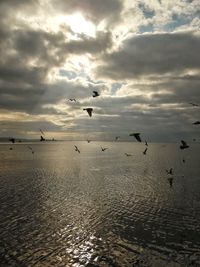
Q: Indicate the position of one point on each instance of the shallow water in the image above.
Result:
(61, 208)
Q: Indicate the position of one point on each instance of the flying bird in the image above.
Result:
(137, 136)
(72, 99)
(32, 151)
(95, 94)
(12, 140)
(196, 122)
(145, 151)
(184, 145)
(193, 104)
(170, 171)
(76, 149)
(42, 138)
(128, 155)
(103, 148)
(89, 111)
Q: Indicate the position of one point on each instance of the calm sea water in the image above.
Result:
(61, 208)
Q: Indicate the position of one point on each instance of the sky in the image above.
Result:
(143, 57)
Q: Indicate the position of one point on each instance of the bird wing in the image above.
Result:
(89, 111)
(137, 137)
(95, 93)
(183, 143)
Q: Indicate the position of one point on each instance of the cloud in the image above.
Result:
(143, 79)
(93, 10)
(151, 54)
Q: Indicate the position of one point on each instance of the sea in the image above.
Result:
(99, 208)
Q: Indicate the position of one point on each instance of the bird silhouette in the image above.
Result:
(89, 111)
(137, 136)
(12, 140)
(193, 104)
(145, 151)
(95, 94)
(117, 138)
(196, 122)
(170, 171)
(103, 148)
(72, 99)
(76, 149)
(128, 155)
(184, 145)
(42, 138)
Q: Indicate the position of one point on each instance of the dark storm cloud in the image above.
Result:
(94, 10)
(150, 54)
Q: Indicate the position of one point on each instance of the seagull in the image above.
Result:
(137, 136)
(89, 111)
(31, 149)
(72, 99)
(193, 104)
(146, 144)
(184, 145)
(42, 138)
(12, 140)
(170, 171)
(128, 155)
(95, 94)
(76, 149)
(196, 123)
(42, 132)
(117, 137)
(103, 148)
(145, 151)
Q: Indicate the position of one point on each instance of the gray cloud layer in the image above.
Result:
(151, 54)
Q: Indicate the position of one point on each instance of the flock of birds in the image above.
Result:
(137, 136)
